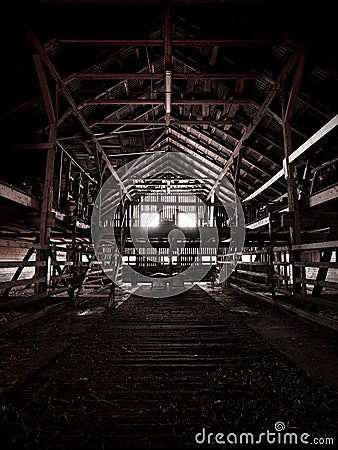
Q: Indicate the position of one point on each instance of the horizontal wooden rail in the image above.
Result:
(281, 263)
(286, 292)
(315, 245)
(252, 283)
(252, 263)
(62, 263)
(22, 244)
(317, 264)
(9, 264)
(328, 284)
(254, 252)
(253, 274)
(61, 249)
(25, 282)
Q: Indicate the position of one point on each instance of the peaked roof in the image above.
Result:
(200, 78)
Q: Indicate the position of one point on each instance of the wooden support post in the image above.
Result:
(47, 193)
(60, 179)
(287, 112)
(295, 237)
(271, 257)
(167, 33)
(111, 299)
(238, 167)
(46, 207)
(74, 247)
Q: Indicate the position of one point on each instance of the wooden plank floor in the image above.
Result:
(153, 373)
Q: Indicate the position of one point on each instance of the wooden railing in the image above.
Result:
(306, 274)
(253, 269)
(19, 280)
(282, 270)
(17, 272)
(319, 273)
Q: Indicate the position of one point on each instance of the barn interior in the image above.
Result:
(168, 223)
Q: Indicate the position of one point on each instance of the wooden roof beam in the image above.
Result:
(163, 123)
(153, 1)
(44, 89)
(228, 150)
(68, 97)
(250, 147)
(293, 59)
(184, 101)
(28, 103)
(184, 140)
(160, 42)
(182, 148)
(213, 150)
(160, 76)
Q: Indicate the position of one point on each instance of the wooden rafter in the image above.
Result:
(184, 101)
(160, 42)
(262, 110)
(77, 113)
(183, 139)
(228, 150)
(179, 76)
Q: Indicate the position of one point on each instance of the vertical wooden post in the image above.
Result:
(271, 257)
(167, 34)
(46, 206)
(60, 179)
(238, 167)
(47, 193)
(287, 111)
(111, 298)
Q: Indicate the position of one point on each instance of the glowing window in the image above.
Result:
(150, 219)
(246, 258)
(186, 220)
(132, 260)
(125, 260)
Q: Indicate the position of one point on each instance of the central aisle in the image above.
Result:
(155, 372)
